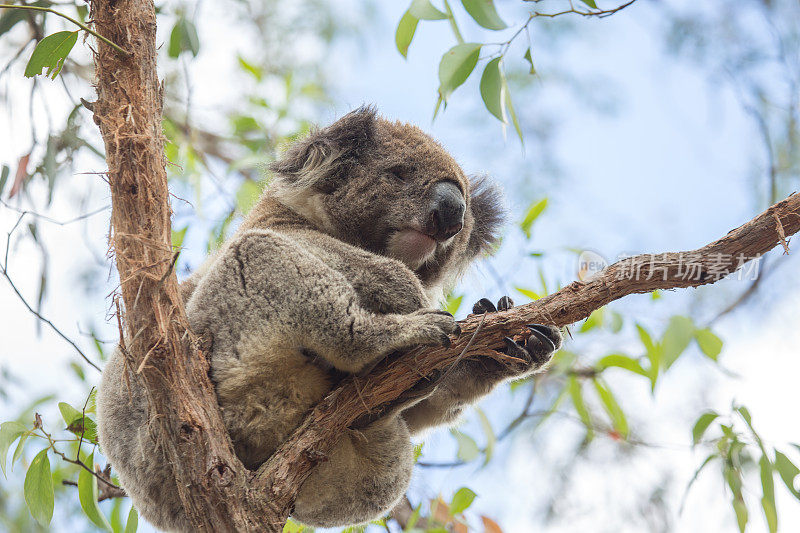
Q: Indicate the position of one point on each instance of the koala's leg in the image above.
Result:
(267, 284)
(470, 380)
(123, 426)
(364, 477)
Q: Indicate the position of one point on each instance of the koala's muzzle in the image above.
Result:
(445, 217)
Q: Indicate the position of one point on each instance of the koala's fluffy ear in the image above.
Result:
(488, 211)
(326, 153)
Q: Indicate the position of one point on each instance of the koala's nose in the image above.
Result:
(446, 216)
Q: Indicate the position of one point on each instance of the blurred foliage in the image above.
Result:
(215, 157)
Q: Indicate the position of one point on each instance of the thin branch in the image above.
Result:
(46, 321)
(82, 26)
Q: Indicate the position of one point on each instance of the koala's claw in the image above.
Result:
(537, 349)
(505, 303)
(484, 305)
(541, 331)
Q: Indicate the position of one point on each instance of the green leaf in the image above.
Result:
(488, 431)
(740, 508)
(590, 3)
(87, 494)
(529, 58)
(576, 394)
(456, 66)
(293, 527)
(77, 423)
(653, 355)
(133, 521)
(593, 321)
(788, 472)
(462, 499)
(513, 115)
(453, 303)
(20, 447)
(4, 177)
(616, 322)
(424, 10)
(615, 412)
(183, 38)
(418, 451)
(768, 492)
(492, 87)
(527, 292)
(484, 13)
(621, 361)
(709, 344)
(405, 32)
(177, 237)
(467, 447)
(50, 53)
(536, 209)
(9, 432)
(676, 339)
(254, 70)
(38, 489)
(701, 425)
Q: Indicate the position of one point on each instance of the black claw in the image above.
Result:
(484, 305)
(446, 342)
(536, 329)
(515, 350)
(505, 303)
(458, 330)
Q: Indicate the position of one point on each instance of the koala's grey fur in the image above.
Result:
(316, 283)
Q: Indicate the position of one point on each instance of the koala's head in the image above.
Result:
(391, 189)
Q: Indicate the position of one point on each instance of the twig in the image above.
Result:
(82, 26)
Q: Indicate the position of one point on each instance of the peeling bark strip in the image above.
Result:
(218, 493)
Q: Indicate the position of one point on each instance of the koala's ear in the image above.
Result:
(488, 211)
(327, 152)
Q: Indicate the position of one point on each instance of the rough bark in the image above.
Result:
(218, 493)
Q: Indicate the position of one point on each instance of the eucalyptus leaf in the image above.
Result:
(492, 87)
(462, 499)
(701, 425)
(87, 495)
(424, 10)
(456, 66)
(406, 29)
(38, 489)
(9, 432)
(533, 212)
(50, 54)
(484, 13)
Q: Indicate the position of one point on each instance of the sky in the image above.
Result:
(665, 164)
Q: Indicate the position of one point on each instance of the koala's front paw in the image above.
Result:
(536, 350)
(431, 327)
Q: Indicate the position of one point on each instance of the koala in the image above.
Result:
(342, 262)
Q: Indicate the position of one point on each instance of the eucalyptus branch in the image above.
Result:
(80, 24)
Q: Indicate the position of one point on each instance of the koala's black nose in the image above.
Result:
(446, 215)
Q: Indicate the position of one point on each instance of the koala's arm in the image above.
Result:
(265, 287)
(470, 380)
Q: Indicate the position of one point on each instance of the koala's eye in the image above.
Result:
(398, 172)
